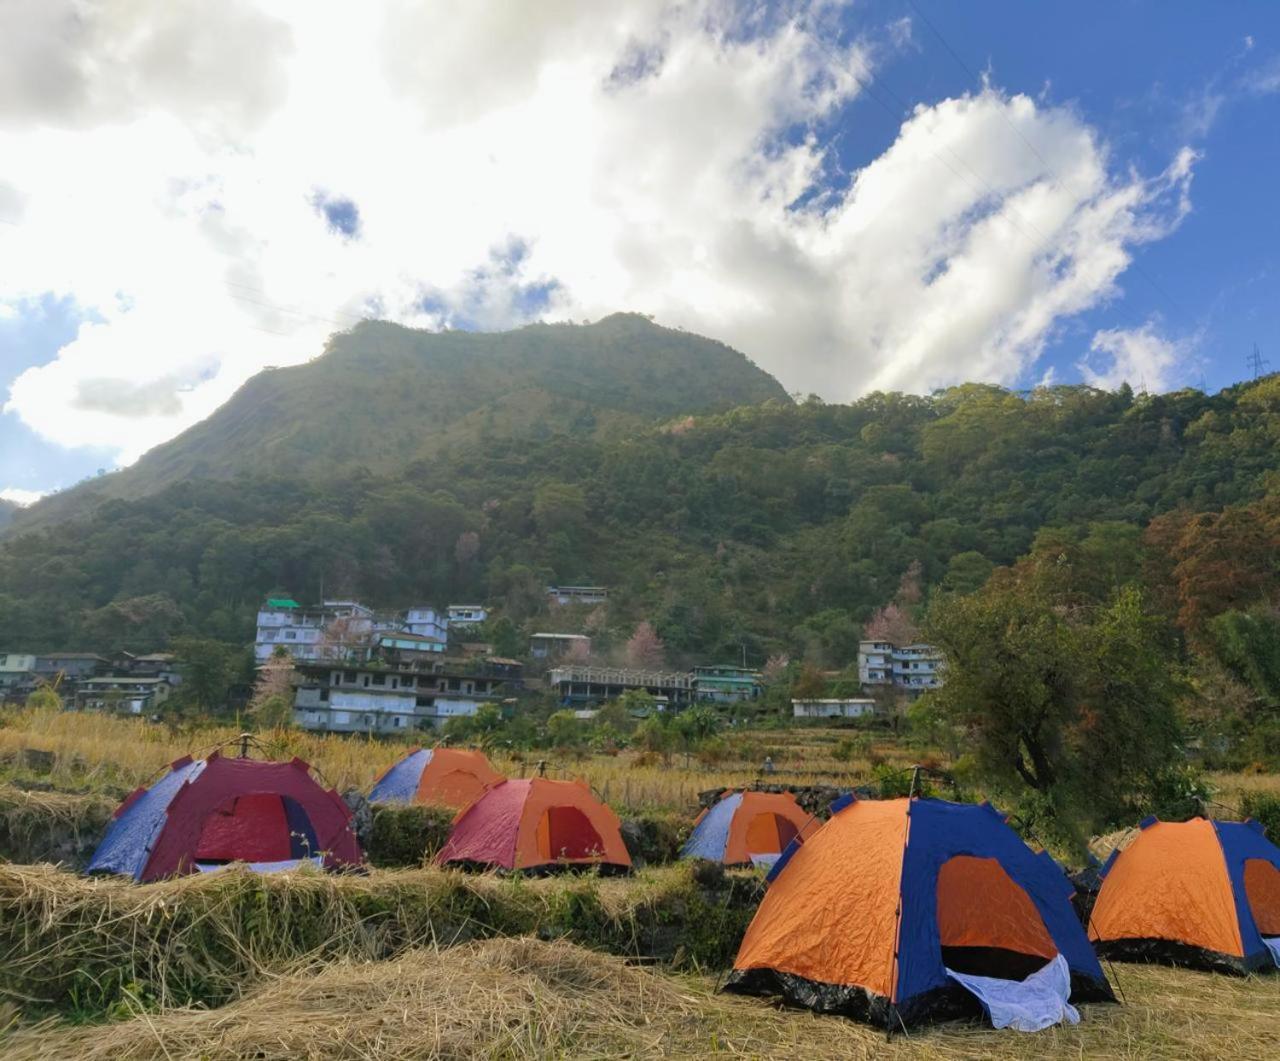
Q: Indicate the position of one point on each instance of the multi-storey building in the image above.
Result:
(726, 684)
(376, 698)
(913, 668)
(343, 630)
(335, 630)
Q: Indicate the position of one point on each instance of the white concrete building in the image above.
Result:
(467, 614)
(360, 698)
(335, 630)
(833, 708)
(913, 668)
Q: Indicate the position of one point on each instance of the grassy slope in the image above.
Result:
(382, 396)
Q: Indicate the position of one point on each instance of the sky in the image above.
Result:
(860, 195)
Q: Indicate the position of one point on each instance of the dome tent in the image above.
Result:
(450, 777)
(744, 827)
(207, 812)
(536, 824)
(1200, 893)
(899, 911)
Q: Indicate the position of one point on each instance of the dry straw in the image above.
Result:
(523, 998)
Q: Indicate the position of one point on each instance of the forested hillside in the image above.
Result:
(777, 527)
(382, 396)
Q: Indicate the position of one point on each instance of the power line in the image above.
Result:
(1257, 363)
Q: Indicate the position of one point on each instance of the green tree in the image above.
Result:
(43, 698)
(563, 729)
(274, 712)
(1072, 704)
(208, 670)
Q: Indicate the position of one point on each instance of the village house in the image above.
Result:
(557, 646)
(426, 622)
(913, 668)
(467, 614)
(575, 685)
(564, 595)
(406, 647)
(17, 675)
(125, 693)
(833, 707)
(71, 665)
(151, 665)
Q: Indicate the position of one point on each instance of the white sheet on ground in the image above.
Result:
(1025, 1005)
(1273, 945)
(264, 867)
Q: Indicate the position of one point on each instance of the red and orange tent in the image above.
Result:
(744, 827)
(536, 823)
(1199, 893)
(450, 777)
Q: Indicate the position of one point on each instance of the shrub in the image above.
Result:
(1264, 808)
(407, 834)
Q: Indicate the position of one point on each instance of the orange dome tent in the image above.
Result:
(1199, 893)
(893, 909)
(744, 827)
(536, 823)
(450, 777)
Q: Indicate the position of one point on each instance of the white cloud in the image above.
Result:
(19, 496)
(563, 159)
(1137, 356)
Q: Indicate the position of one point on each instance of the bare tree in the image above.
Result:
(275, 678)
(645, 648)
(891, 624)
(775, 667)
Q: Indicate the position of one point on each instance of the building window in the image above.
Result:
(324, 695)
(379, 679)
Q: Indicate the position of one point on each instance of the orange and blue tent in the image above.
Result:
(748, 827)
(205, 813)
(1200, 893)
(893, 909)
(536, 824)
(451, 777)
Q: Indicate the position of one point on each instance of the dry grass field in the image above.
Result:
(429, 963)
(103, 752)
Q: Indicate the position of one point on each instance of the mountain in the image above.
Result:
(8, 509)
(382, 396)
(775, 527)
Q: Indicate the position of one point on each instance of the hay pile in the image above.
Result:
(523, 998)
(71, 943)
(511, 998)
(50, 826)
